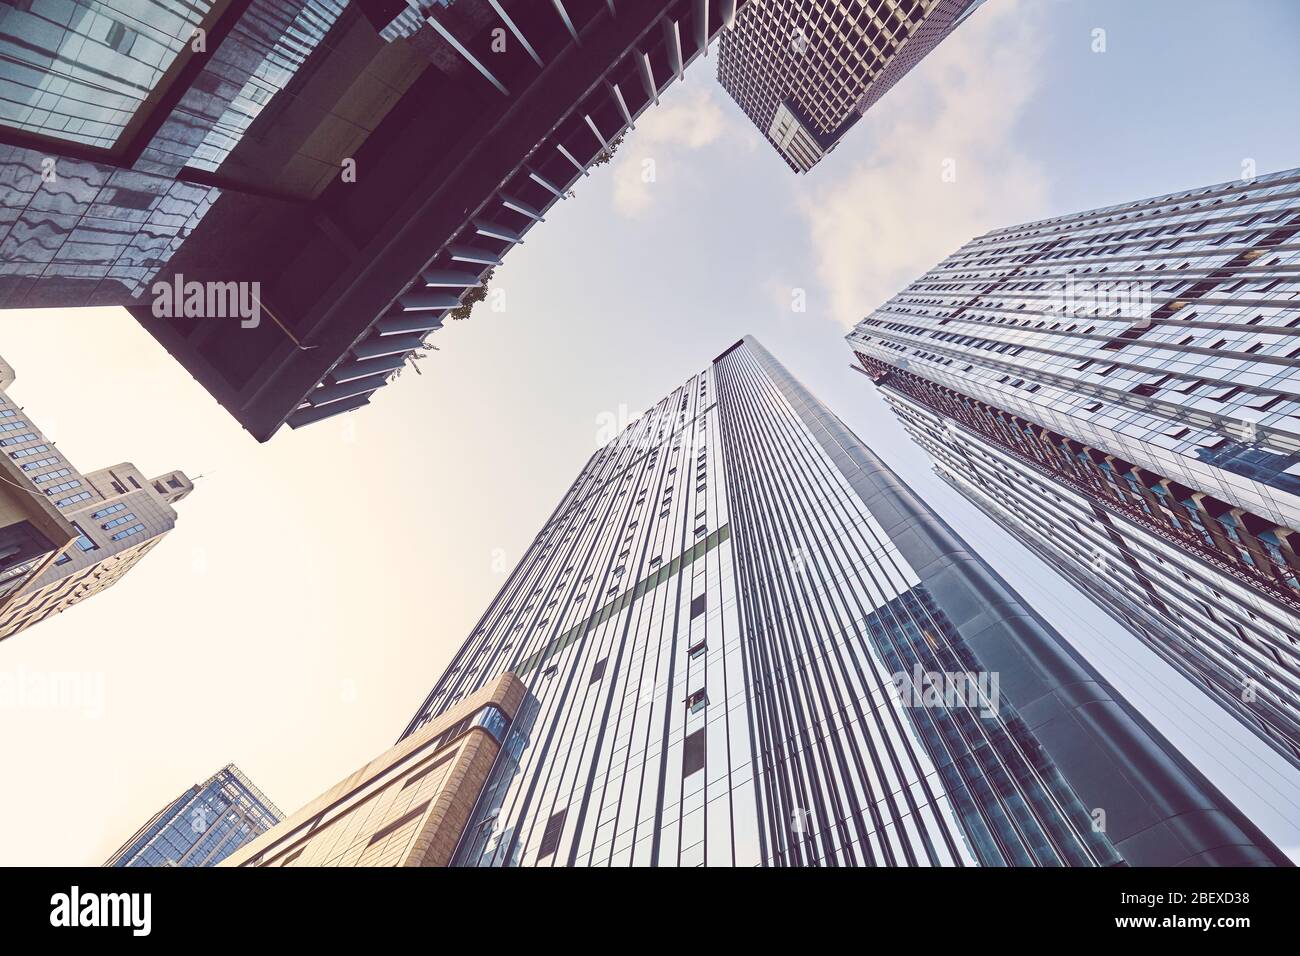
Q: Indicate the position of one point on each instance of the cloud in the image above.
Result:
(692, 120)
(877, 225)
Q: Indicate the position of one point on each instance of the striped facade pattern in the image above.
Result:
(717, 630)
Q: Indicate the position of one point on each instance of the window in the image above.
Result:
(83, 541)
(693, 753)
(80, 496)
(51, 475)
(697, 606)
(128, 532)
(697, 701)
(551, 836)
(110, 510)
(120, 38)
(598, 671)
(116, 522)
(696, 649)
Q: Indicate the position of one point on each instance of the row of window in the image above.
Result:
(25, 452)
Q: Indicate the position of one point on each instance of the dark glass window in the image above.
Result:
(693, 753)
(551, 838)
(697, 606)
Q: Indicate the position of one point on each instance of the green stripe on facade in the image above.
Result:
(646, 584)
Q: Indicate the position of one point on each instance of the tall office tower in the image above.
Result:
(291, 195)
(1120, 389)
(805, 73)
(203, 826)
(746, 642)
(76, 532)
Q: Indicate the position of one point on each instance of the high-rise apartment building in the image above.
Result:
(76, 532)
(291, 195)
(202, 826)
(746, 642)
(1120, 389)
(804, 72)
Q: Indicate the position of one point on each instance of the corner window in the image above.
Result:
(84, 542)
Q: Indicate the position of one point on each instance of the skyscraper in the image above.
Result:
(81, 531)
(1120, 389)
(805, 73)
(746, 642)
(202, 826)
(291, 195)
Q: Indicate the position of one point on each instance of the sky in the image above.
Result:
(316, 586)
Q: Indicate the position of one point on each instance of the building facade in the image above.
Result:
(1120, 389)
(407, 807)
(85, 530)
(804, 73)
(746, 642)
(202, 826)
(292, 195)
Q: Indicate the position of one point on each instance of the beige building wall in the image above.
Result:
(99, 523)
(407, 807)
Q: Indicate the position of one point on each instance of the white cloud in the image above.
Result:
(877, 225)
(692, 120)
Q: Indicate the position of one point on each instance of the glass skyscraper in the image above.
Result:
(1120, 389)
(202, 826)
(746, 642)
